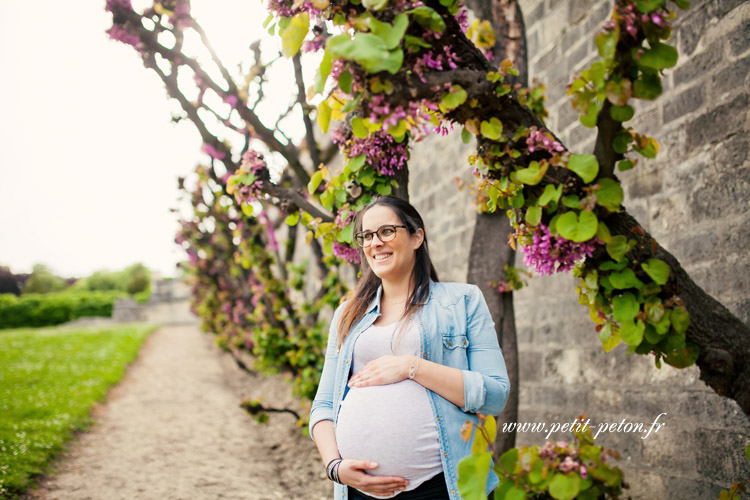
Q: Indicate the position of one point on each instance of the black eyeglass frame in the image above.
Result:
(364, 235)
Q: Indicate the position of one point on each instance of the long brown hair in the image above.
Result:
(367, 288)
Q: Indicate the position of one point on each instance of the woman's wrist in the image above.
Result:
(332, 470)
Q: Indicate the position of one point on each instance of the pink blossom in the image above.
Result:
(211, 151)
(548, 254)
(346, 252)
(120, 34)
(231, 100)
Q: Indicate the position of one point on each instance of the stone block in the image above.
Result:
(709, 409)
(695, 247)
(596, 19)
(571, 37)
(647, 485)
(529, 366)
(577, 56)
(733, 153)
(727, 461)
(721, 195)
(690, 29)
(562, 366)
(684, 103)
(578, 10)
(670, 449)
(739, 39)
(733, 77)
(720, 8)
(534, 14)
(717, 124)
(700, 65)
(566, 116)
(646, 183)
(681, 487)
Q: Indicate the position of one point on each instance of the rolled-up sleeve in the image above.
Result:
(322, 405)
(486, 383)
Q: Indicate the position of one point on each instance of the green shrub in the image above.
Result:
(34, 310)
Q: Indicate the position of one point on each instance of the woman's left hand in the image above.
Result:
(384, 370)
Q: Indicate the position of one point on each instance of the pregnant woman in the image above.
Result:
(408, 361)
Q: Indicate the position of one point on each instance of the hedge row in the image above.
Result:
(33, 310)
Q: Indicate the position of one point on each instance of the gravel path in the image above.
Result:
(173, 430)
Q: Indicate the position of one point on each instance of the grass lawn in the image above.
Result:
(49, 381)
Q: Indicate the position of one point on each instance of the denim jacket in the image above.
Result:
(455, 329)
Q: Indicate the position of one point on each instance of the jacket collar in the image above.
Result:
(375, 304)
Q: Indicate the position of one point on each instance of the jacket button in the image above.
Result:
(453, 492)
(424, 356)
(438, 419)
(450, 343)
(445, 454)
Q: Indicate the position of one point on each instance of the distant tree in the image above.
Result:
(42, 280)
(8, 282)
(138, 278)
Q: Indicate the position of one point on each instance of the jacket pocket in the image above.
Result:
(455, 341)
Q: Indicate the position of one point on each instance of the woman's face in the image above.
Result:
(391, 260)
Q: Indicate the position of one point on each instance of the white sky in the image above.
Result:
(89, 158)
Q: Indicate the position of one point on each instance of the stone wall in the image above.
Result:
(694, 199)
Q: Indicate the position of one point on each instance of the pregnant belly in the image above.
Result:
(392, 425)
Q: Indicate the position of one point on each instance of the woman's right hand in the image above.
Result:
(353, 473)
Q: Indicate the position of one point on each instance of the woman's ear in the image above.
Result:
(418, 238)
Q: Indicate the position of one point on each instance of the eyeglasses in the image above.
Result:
(385, 233)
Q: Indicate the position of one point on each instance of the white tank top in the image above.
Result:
(393, 424)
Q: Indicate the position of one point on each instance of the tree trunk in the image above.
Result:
(489, 247)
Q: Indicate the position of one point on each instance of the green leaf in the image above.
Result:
(659, 56)
(551, 193)
(647, 6)
(427, 18)
(390, 34)
(369, 50)
(315, 181)
(609, 339)
(621, 142)
(621, 113)
(452, 99)
(247, 209)
(472, 476)
(383, 189)
(585, 166)
(466, 136)
(374, 4)
(352, 104)
(606, 42)
(324, 116)
(632, 333)
(530, 175)
(508, 460)
(654, 311)
(414, 43)
(399, 130)
(357, 162)
(680, 319)
(358, 128)
(648, 86)
(625, 279)
(572, 201)
(658, 270)
(747, 450)
(367, 177)
(682, 358)
(618, 247)
(577, 228)
(292, 219)
(533, 215)
(345, 81)
(602, 232)
(346, 235)
(625, 307)
(609, 265)
(624, 165)
(610, 194)
(683, 4)
(565, 486)
(492, 129)
(293, 35)
(323, 71)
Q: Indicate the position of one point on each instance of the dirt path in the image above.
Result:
(172, 430)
